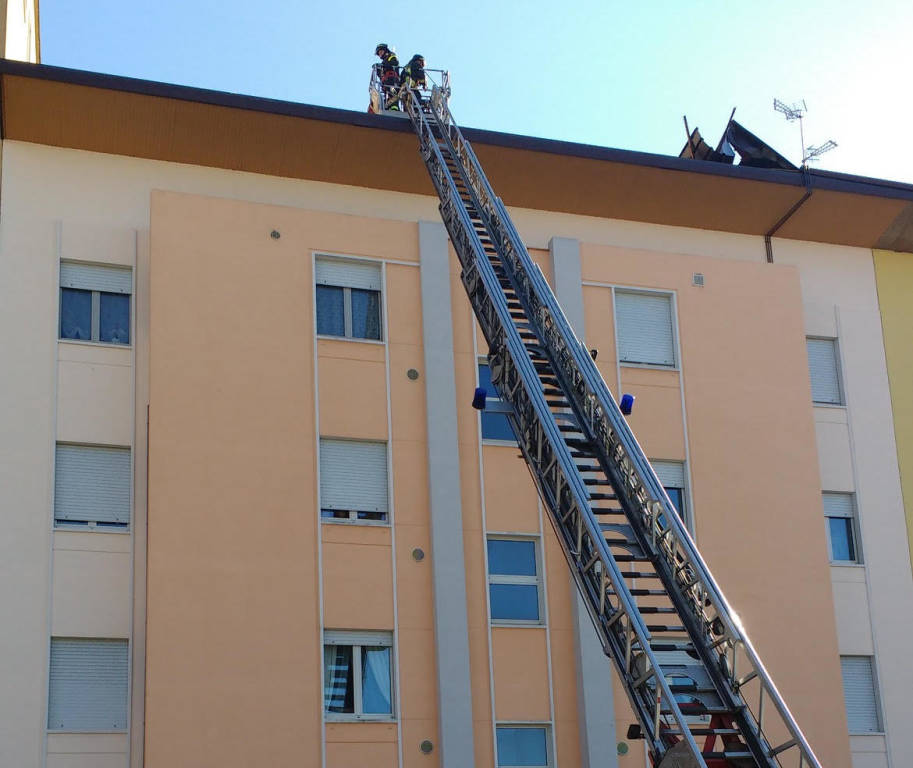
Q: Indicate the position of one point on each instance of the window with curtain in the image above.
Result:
(671, 475)
(513, 580)
(95, 303)
(358, 675)
(348, 298)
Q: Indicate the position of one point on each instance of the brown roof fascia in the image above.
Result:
(527, 171)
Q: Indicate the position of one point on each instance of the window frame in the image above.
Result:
(549, 747)
(684, 514)
(95, 320)
(838, 372)
(673, 319)
(356, 641)
(500, 578)
(853, 517)
(351, 517)
(494, 404)
(876, 695)
(348, 318)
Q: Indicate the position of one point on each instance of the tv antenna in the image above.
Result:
(797, 112)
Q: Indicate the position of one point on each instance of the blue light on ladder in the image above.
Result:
(626, 404)
(478, 399)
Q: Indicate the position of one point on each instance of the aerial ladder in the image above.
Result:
(701, 694)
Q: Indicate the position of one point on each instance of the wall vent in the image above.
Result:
(698, 279)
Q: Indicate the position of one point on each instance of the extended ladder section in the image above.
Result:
(701, 694)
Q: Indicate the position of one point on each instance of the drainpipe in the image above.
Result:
(768, 246)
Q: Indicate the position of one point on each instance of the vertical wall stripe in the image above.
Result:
(595, 703)
(447, 563)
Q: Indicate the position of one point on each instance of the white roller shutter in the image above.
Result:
(822, 367)
(348, 274)
(88, 685)
(335, 637)
(859, 694)
(671, 474)
(838, 504)
(353, 476)
(91, 277)
(92, 484)
(644, 326)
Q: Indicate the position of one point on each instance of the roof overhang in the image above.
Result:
(139, 118)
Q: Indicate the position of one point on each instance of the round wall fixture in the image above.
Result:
(622, 748)
(275, 234)
(426, 746)
(412, 374)
(418, 554)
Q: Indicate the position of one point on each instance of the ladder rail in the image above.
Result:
(644, 484)
(551, 450)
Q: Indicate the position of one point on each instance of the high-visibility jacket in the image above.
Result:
(389, 68)
(414, 73)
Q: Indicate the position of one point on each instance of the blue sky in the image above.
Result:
(606, 73)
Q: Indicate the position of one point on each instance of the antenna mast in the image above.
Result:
(797, 112)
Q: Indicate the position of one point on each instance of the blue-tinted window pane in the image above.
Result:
(75, 314)
(511, 558)
(485, 381)
(842, 544)
(496, 426)
(516, 602)
(522, 746)
(375, 681)
(365, 314)
(330, 311)
(114, 318)
(338, 679)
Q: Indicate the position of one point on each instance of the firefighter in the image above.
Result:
(413, 76)
(388, 72)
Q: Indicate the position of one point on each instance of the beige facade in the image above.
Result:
(224, 589)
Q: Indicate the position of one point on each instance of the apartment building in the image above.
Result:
(252, 517)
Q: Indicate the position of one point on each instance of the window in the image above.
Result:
(495, 424)
(859, 694)
(95, 303)
(672, 476)
(513, 580)
(92, 486)
(840, 516)
(88, 685)
(824, 370)
(523, 745)
(644, 326)
(353, 481)
(358, 675)
(348, 298)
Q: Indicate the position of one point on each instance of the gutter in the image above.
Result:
(768, 245)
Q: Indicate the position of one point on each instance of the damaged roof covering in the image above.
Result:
(139, 118)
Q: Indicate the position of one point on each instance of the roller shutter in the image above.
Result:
(644, 325)
(92, 484)
(822, 367)
(88, 685)
(92, 277)
(859, 694)
(353, 476)
(348, 274)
